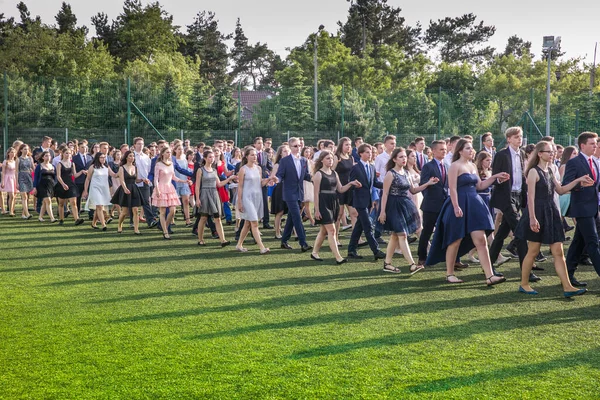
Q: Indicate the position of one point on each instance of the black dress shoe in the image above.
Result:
(412, 239)
(305, 248)
(355, 256)
(379, 255)
(586, 261)
(380, 240)
(534, 278)
(512, 250)
(285, 245)
(576, 283)
(363, 244)
(342, 261)
(540, 257)
(267, 226)
(536, 268)
(315, 257)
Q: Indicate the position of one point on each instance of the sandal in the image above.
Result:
(414, 268)
(266, 250)
(393, 270)
(490, 282)
(453, 281)
(241, 249)
(201, 243)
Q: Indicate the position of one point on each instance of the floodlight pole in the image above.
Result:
(548, 94)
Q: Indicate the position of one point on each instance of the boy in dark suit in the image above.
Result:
(362, 201)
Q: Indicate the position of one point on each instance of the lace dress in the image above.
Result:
(401, 213)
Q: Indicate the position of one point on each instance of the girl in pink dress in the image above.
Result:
(165, 194)
(8, 179)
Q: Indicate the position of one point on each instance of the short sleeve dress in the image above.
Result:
(252, 198)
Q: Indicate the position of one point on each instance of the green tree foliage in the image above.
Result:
(517, 47)
(372, 23)
(205, 41)
(460, 39)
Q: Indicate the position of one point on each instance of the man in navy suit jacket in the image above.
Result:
(362, 201)
(82, 162)
(434, 196)
(584, 205)
(292, 173)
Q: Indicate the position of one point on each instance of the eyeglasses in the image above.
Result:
(296, 145)
(547, 151)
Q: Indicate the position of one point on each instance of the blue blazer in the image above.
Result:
(362, 197)
(79, 165)
(434, 195)
(293, 186)
(584, 200)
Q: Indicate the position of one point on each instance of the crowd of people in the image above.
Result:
(456, 202)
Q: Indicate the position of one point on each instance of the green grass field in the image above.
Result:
(86, 314)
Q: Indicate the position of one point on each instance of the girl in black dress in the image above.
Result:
(327, 206)
(343, 163)
(44, 185)
(65, 188)
(128, 195)
(541, 222)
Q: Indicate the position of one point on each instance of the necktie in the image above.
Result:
(368, 173)
(260, 158)
(443, 172)
(592, 168)
(83, 160)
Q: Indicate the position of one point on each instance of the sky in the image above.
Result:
(285, 23)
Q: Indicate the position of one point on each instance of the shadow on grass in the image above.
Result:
(344, 294)
(461, 330)
(589, 357)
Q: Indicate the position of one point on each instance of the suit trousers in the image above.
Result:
(363, 224)
(265, 195)
(294, 220)
(429, 220)
(510, 219)
(584, 239)
(148, 214)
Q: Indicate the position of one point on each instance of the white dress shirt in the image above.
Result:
(517, 170)
(142, 162)
(380, 163)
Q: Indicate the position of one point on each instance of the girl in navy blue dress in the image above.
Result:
(464, 220)
(399, 215)
(541, 222)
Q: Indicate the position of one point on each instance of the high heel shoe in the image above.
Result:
(342, 261)
(490, 282)
(521, 290)
(315, 257)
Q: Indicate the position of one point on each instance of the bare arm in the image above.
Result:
(59, 168)
(387, 183)
(198, 182)
(240, 191)
(585, 181)
(87, 181)
(317, 189)
(414, 190)
(532, 178)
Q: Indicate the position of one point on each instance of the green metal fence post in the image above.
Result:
(439, 131)
(5, 112)
(342, 111)
(128, 111)
(239, 112)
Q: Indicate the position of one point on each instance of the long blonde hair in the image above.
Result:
(534, 157)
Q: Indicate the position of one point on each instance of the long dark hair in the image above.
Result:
(416, 166)
(481, 157)
(278, 156)
(204, 155)
(124, 158)
(567, 153)
(340, 146)
(247, 151)
(96, 163)
(391, 163)
(319, 163)
(534, 157)
(458, 148)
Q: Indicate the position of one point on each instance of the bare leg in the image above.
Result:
(220, 232)
(24, 204)
(185, 201)
(201, 229)
(136, 219)
(451, 252)
(403, 243)
(99, 214)
(480, 242)
(74, 210)
(122, 216)
(278, 217)
(533, 249)
(391, 248)
(11, 203)
(319, 241)
(48, 202)
(163, 221)
(42, 210)
(560, 266)
(256, 233)
(243, 234)
(331, 234)
(61, 209)
(171, 216)
(306, 206)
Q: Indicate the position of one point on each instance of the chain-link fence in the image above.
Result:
(119, 110)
